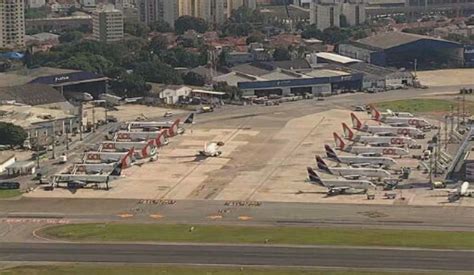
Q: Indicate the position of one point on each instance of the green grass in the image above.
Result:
(258, 235)
(4, 194)
(418, 105)
(187, 270)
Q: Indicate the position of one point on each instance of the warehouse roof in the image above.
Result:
(31, 94)
(337, 58)
(389, 40)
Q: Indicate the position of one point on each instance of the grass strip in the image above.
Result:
(259, 235)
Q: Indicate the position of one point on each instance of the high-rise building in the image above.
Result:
(213, 11)
(328, 13)
(12, 24)
(151, 11)
(107, 24)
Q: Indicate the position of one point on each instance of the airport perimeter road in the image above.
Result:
(241, 255)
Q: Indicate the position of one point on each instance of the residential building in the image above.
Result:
(107, 24)
(325, 14)
(328, 13)
(12, 24)
(235, 4)
(213, 11)
(150, 11)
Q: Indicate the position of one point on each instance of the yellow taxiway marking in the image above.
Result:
(125, 215)
(245, 218)
(156, 216)
(215, 217)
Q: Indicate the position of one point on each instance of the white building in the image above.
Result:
(6, 160)
(172, 94)
(107, 24)
(88, 3)
(12, 24)
(34, 4)
(328, 13)
(150, 11)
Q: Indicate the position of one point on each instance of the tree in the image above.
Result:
(158, 72)
(187, 22)
(130, 85)
(312, 31)
(71, 36)
(161, 26)
(255, 37)
(136, 29)
(281, 54)
(231, 92)
(192, 78)
(335, 35)
(11, 134)
(159, 43)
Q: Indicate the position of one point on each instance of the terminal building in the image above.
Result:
(289, 78)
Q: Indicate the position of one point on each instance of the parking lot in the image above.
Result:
(264, 159)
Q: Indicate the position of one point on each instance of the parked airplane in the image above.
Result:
(339, 186)
(95, 168)
(409, 121)
(172, 127)
(145, 149)
(358, 160)
(406, 131)
(462, 191)
(350, 172)
(392, 113)
(125, 158)
(211, 149)
(369, 139)
(159, 136)
(341, 145)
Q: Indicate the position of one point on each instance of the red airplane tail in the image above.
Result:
(356, 124)
(348, 133)
(340, 144)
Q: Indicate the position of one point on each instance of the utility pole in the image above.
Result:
(463, 109)
(81, 110)
(67, 140)
(445, 132)
(452, 123)
(431, 168)
(93, 119)
(105, 111)
(457, 112)
(54, 141)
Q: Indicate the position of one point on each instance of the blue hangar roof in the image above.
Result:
(69, 78)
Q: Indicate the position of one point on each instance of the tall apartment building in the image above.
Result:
(12, 24)
(150, 11)
(327, 13)
(107, 24)
(213, 11)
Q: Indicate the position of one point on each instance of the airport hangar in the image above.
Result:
(400, 50)
(289, 78)
(75, 82)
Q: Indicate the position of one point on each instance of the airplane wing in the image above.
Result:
(352, 177)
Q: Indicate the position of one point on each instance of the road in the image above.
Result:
(241, 255)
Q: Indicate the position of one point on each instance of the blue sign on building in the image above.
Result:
(469, 55)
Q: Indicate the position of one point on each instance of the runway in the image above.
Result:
(241, 255)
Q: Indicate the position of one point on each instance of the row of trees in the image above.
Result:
(130, 63)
